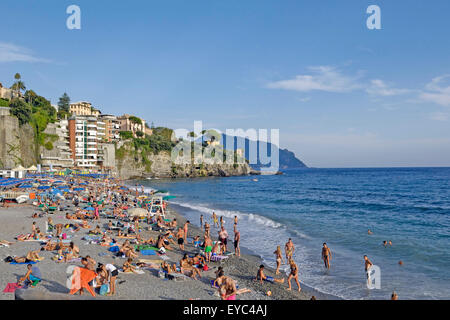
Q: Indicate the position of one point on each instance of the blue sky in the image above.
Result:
(341, 95)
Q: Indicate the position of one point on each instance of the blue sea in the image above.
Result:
(409, 206)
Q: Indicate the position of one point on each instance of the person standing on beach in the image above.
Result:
(201, 220)
(207, 229)
(326, 255)
(223, 238)
(185, 228)
(235, 220)
(279, 259)
(222, 222)
(215, 220)
(237, 239)
(293, 274)
(180, 236)
(367, 265)
(208, 248)
(289, 248)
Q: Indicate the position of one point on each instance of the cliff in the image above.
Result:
(131, 163)
(17, 143)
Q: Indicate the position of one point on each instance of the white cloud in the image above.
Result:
(322, 78)
(437, 92)
(380, 88)
(439, 116)
(12, 53)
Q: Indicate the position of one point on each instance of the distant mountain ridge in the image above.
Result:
(287, 159)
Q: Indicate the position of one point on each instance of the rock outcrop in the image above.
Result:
(131, 165)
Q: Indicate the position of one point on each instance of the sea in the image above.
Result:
(408, 206)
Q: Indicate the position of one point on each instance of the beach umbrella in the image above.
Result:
(161, 191)
(78, 189)
(43, 187)
(137, 212)
(89, 208)
(168, 197)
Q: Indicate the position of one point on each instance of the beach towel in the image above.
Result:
(148, 252)
(150, 260)
(164, 257)
(12, 287)
(177, 276)
(130, 272)
(31, 262)
(90, 238)
(218, 258)
(145, 247)
(84, 276)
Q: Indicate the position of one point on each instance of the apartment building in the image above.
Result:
(85, 133)
(112, 127)
(83, 108)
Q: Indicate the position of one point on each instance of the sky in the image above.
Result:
(341, 95)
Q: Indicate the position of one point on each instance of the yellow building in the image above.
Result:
(83, 108)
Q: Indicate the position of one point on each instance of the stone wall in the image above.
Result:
(17, 144)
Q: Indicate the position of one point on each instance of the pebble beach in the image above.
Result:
(17, 219)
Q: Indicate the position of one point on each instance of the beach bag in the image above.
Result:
(104, 289)
(114, 249)
(205, 267)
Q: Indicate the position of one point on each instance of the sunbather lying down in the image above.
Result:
(31, 256)
(5, 243)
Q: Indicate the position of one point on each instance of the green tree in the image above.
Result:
(19, 84)
(139, 134)
(135, 120)
(30, 96)
(64, 103)
(125, 135)
(20, 110)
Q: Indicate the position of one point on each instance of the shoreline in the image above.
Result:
(250, 255)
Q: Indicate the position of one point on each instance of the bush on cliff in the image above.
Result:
(21, 111)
